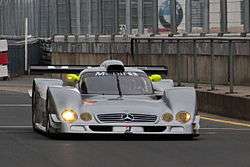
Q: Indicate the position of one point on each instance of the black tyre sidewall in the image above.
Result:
(33, 106)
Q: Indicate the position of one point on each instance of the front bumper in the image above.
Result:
(127, 128)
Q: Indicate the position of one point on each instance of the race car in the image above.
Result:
(113, 99)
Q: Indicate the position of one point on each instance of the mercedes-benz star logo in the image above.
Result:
(127, 117)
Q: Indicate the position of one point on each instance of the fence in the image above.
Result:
(190, 59)
(50, 17)
(193, 48)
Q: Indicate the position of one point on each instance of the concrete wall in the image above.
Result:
(224, 105)
(93, 50)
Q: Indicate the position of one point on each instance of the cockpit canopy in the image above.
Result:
(116, 83)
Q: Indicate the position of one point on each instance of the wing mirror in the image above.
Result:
(72, 78)
(155, 78)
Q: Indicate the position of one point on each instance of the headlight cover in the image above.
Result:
(69, 115)
(167, 117)
(86, 116)
(183, 117)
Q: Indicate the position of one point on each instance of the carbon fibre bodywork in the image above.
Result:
(113, 114)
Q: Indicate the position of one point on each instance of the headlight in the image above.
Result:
(167, 117)
(183, 117)
(69, 116)
(86, 116)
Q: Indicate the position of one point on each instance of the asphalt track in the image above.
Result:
(219, 145)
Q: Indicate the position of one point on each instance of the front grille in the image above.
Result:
(125, 117)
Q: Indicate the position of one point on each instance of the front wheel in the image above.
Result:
(33, 121)
(48, 126)
(49, 131)
(34, 108)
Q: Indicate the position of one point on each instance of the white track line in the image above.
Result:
(15, 127)
(15, 105)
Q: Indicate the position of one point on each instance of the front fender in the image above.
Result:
(40, 85)
(181, 99)
(61, 98)
(163, 85)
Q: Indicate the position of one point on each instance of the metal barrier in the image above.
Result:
(179, 40)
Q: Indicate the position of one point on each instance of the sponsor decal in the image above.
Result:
(165, 13)
(119, 74)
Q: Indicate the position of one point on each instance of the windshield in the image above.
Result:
(128, 83)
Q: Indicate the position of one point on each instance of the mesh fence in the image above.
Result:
(50, 17)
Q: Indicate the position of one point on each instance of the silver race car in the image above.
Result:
(113, 99)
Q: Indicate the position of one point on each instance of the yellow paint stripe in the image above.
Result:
(226, 122)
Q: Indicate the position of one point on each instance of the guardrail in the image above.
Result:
(230, 41)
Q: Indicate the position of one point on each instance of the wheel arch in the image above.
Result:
(61, 98)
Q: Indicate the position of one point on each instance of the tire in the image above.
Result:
(49, 133)
(47, 118)
(33, 108)
(48, 126)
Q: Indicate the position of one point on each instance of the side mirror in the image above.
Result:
(155, 78)
(72, 78)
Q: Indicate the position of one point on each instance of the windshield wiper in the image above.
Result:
(118, 85)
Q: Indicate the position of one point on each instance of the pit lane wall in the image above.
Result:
(228, 105)
(86, 49)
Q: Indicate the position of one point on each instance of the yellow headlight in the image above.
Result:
(183, 117)
(86, 116)
(69, 116)
(168, 117)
